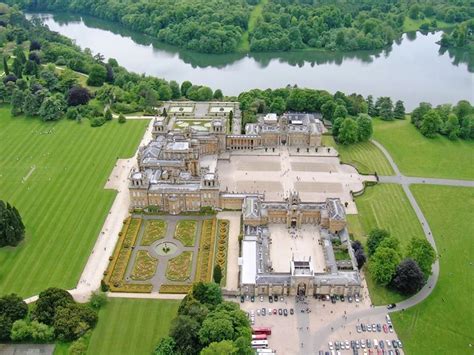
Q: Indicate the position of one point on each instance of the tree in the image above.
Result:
(207, 293)
(462, 109)
(383, 265)
(431, 124)
(336, 126)
(374, 239)
(360, 257)
(12, 229)
(18, 98)
(49, 79)
(175, 90)
(35, 46)
(399, 110)
(278, 105)
(98, 299)
(109, 76)
(165, 92)
(419, 112)
(452, 128)
(108, 115)
(22, 330)
(224, 347)
(340, 111)
(217, 274)
(385, 108)
(17, 67)
(215, 329)
(364, 127)
(408, 278)
(218, 95)
(185, 87)
(166, 346)
(348, 133)
(13, 307)
(421, 251)
(78, 95)
(370, 106)
(390, 242)
(5, 327)
(184, 330)
(327, 109)
(52, 108)
(31, 68)
(97, 75)
(121, 118)
(72, 320)
(414, 11)
(48, 302)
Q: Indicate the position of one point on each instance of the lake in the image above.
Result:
(413, 69)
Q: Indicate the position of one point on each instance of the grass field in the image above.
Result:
(132, 326)
(385, 206)
(244, 45)
(417, 155)
(56, 181)
(410, 25)
(442, 324)
(366, 157)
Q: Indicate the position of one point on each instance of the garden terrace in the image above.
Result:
(155, 229)
(179, 268)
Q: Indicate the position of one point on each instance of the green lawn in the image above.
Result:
(132, 326)
(442, 324)
(410, 25)
(366, 157)
(417, 155)
(385, 206)
(62, 200)
(244, 45)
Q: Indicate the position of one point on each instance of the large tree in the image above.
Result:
(48, 303)
(12, 229)
(13, 307)
(184, 330)
(431, 124)
(383, 265)
(52, 108)
(408, 278)
(364, 127)
(348, 133)
(72, 321)
(97, 75)
(399, 110)
(375, 238)
(166, 346)
(207, 293)
(225, 347)
(78, 95)
(423, 253)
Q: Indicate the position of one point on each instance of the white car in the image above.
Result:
(258, 312)
(376, 344)
(331, 346)
(261, 298)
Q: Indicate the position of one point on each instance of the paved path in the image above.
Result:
(401, 179)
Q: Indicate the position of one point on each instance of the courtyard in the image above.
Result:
(316, 177)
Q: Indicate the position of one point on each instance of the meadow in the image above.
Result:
(132, 326)
(417, 155)
(442, 324)
(55, 173)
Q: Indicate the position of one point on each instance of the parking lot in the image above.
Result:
(296, 333)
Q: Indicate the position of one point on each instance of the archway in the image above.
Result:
(301, 289)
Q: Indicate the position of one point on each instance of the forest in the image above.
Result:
(220, 26)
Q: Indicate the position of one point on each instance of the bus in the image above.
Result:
(262, 330)
(259, 344)
(266, 351)
(261, 336)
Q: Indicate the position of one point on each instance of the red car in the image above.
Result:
(274, 311)
(385, 328)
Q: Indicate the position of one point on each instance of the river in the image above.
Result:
(413, 69)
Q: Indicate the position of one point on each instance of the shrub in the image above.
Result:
(98, 300)
(122, 119)
(97, 121)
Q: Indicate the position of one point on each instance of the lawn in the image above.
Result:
(417, 155)
(186, 232)
(385, 206)
(244, 45)
(410, 25)
(442, 324)
(365, 156)
(132, 326)
(56, 180)
(179, 268)
(155, 229)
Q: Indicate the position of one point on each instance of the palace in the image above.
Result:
(178, 171)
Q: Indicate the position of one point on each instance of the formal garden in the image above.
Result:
(167, 254)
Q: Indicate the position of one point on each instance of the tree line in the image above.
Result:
(218, 26)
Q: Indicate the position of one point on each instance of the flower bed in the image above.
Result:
(155, 229)
(222, 246)
(206, 251)
(122, 253)
(186, 232)
(133, 288)
(144, 267)
(179, 268)
(183, 289)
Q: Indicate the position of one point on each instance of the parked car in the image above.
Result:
(285, 312)
(389, 343)
(292, 311)
(242, 299)
(389, 320)
(381, 344)
(275, 298)
(395, 344)
(282, 299)
(270, 311)
(261, 298)
(280, 311)
(356, 298)
(330, 345)
(270, 299)
(385, 328)
(369, 343)
(342, 298)
(369, 327)
(264, 311)
(274, 311)
(391, 306)
(258, 312)
(379, 327)
(364, 327)
(358, 328)
(400, 345)
(252, 298)
(349, 299)
(390, 328)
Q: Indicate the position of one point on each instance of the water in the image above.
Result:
(413, 69)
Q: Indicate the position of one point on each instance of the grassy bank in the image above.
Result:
(442, 324)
